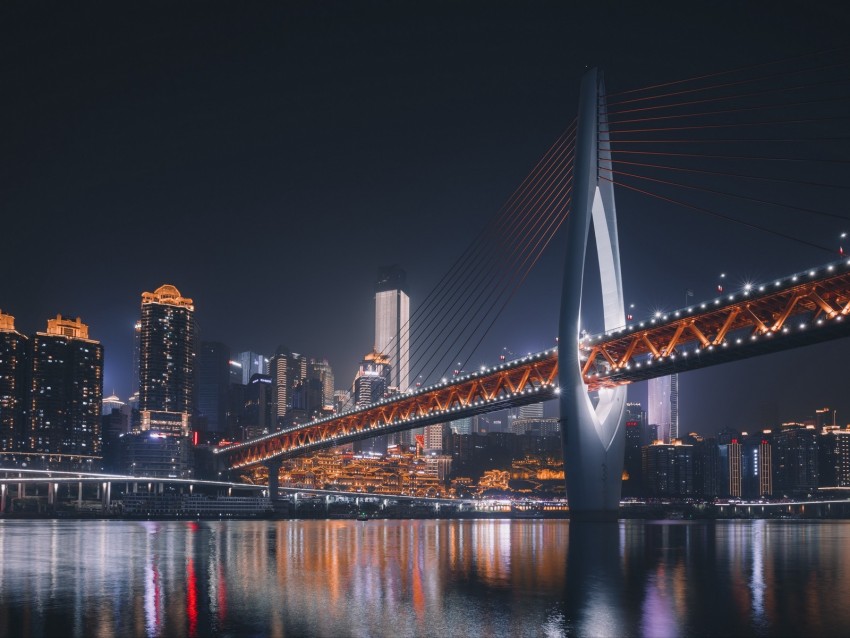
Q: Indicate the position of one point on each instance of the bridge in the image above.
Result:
(574, 185)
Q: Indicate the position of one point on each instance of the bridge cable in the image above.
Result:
(724, 98)
(719, 215)
(554, 209)
(725, 194)
(729, 71)
(561, 183)
(781, 74)
(475, 245)
(480, 271)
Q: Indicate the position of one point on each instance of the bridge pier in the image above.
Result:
(2, 499)
(80, 494)
(592, 435)
(106, 501)
(273, 466)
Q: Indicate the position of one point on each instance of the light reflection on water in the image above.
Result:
(423, 578)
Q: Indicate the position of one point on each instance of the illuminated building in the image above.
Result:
(257, 413)
(434, 437)
(392, 324)
(137, 353)
(706, 465)
(757, 466)
(373, 379)
(834, 458)
(66, 392)
(392, 333)
(632, 466)
(12, 386)
(730, 476)
(156, 455)
(168, 346)
(213, 387)
(667, 469)
(461, 426)
(370, 385)
(795, 460)
(342, 400)
(246, 365)
(663, 406)
(320, 369)
(288, 370)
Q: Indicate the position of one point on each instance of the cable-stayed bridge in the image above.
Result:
(573, 186)
(797, 310)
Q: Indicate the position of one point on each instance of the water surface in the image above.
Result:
(424, 578)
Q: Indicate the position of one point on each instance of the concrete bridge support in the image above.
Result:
(592, 427)
(273, 466)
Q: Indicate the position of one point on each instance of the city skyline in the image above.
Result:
(277, 174)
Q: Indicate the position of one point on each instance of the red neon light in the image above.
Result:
(632, 424)
(195, 437)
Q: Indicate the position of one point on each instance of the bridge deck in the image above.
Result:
(798, 310)
(528, 380)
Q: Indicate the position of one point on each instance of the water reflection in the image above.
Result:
(418, 578)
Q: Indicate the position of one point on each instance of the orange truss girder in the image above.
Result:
(823, 295)
(514, 383)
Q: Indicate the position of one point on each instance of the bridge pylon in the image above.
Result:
(592, 427)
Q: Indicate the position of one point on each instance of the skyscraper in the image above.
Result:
(288, 370)
(168, 346)
(370, 385)
(213, 386)
(12, 387)
(320, 369)
(663, 406)
(248, 364)
(66, 392)
(137, 345)
(392, 323)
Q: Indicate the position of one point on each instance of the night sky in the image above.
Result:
(267, 159)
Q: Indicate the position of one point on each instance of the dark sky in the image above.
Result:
(267, 158)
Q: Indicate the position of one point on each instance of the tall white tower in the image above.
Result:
(663, 406)
(392, 323)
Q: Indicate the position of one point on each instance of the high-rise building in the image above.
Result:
(13, 364)
(342, 401)
(246, 365)
(288, 371)
(373, 379)
(257, 413)
(730, 475)
(834, 458)
(434, 435)
(795, 460)
(66, 394)
(667, 469)
(167, 353)
(756, 465)
(633, 461)
(371, 385)
(137, 353)
(392, 323)
(213, 388)
(320, 369)
(663, 406)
